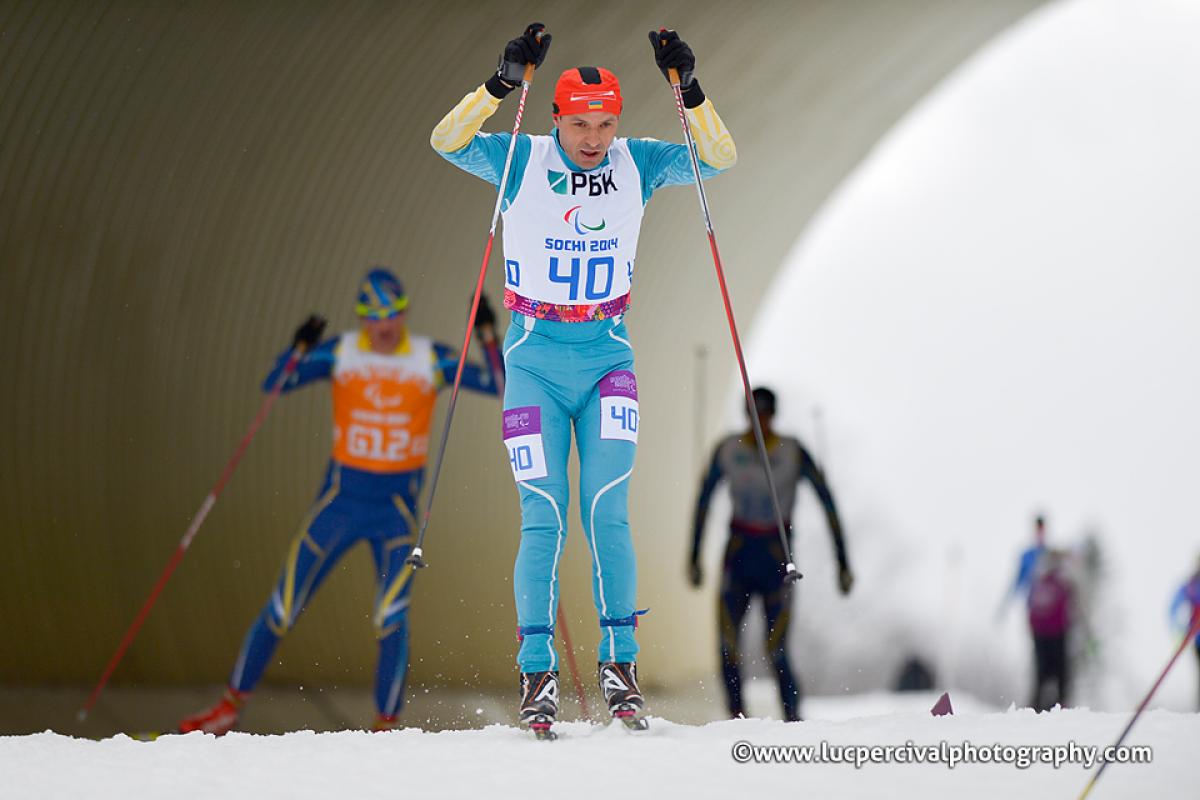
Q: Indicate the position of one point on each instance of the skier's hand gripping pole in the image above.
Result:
(663, 42)
(416, 559)
(305, 338)
(485, 330)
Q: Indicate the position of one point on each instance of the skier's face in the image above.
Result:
(385, 335)
(586, 137)
(764, 421)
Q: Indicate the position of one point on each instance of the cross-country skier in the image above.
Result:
(1053, 610)
(1052, 613)
(385, 382)
(1188, 599)
(754, 558)
(1027, 566)
(572, 210)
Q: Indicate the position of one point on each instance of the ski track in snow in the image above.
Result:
(591, 760)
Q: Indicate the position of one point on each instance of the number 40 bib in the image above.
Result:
(570, 238)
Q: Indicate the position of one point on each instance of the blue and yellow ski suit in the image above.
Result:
(383, 406)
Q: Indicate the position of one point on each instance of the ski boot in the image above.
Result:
(618, 682)
(539, 703)
(221, 718)
(385, 722)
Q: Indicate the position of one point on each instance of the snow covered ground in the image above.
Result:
(605, 760)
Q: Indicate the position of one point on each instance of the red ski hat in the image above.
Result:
(583, 89)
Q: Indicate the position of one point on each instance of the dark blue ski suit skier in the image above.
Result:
(754, 559)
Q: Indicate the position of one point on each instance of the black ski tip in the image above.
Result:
(631, 717)
(636, 723)
(541, 727)
(792, 577)
(416, 562)
(150, 736)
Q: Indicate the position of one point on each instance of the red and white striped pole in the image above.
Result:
(792, 574)
(209, 501)
(415, 559)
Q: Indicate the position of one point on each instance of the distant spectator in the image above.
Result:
(1030, 557)
(915, 676)
(1188, 597)
(1051, 611)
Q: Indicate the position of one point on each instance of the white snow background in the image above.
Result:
(997, 314)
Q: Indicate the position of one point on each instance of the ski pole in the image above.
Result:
(209, 501)
(579, 693)
(415, 559)
(1193, 630)
(491, 349)
(792, 573)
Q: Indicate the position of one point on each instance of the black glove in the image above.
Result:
(484, 316)
(529, 48)
(671, 52)
(845, 579)
(695, 573)
(308, 334)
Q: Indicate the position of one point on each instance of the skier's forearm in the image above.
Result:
(832, 521)
(315, 365)
(669, 164)
(714, 143)
(458, 128)
(478, 378)
(495, 362)
(839, 541)
(677, 62)
(475, 377)
(700, 517)
(817, 478)
(1024, 574)
(480, 154)
(272, 376)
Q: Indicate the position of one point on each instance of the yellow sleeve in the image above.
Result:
(714, 144)
(457, 128)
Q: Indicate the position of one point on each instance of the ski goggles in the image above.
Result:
(376, 310)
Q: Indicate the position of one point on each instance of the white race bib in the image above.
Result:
(619, 406)
(523, 438)
(570, 238)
